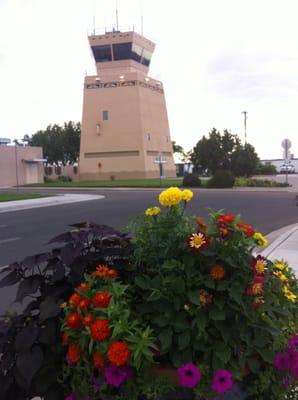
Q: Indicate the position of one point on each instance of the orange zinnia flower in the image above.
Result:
(75, 299)
(74, 353)
(100, 330)
(217, 272)
(74, 321)
(102, 271)
(102, 299)
(98, 360)
(83, 287)
(225, 219)
(247, 229)
(118, 353)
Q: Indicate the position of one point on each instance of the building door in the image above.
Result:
(31, 173)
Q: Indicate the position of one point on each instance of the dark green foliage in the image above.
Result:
(31, 342)
(266, 169)
(214, 152)
(176, 147)
(191, 180)
(222, 179)
(244, 160)
(59, 143)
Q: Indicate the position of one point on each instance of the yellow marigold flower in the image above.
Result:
(289, 295)
(170, 197)
(281, 276)
(186, 195)
(152, 211)
(281, 265)
(217, 272)
(260, 239)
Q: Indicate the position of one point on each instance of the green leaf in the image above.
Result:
(193, 297)
(253, 365)
(216, 314)
(223, 351)
(183, 340)
(165, 337)
(142, 282)
(266, 354)
(181, 324)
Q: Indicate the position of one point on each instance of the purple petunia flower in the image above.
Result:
(222, 381)
(72, 396)
(189, 375)
(281, 361)
(115, 376)
(293, 342)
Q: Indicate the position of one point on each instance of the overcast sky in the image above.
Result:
(216, 59)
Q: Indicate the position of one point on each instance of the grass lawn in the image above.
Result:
(146, 183)
(19, 196)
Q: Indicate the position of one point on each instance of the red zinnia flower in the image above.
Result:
(102, 271)
(83, 287)
(74, 353)
(88, 320)
(217, 272)
(118, 353)
(75, 299)
(65, 339)
(98, 360)
(198, 241)
(100, 330)
(247, 229)
(258, 265)
(74, 320)
(84, 303)
(102, 299)
(225, 219)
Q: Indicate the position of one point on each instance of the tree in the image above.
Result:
(177, 148)
(245, 160)
(61, 144)
(214, 152)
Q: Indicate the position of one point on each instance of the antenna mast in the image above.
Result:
(245, 118)
(117, 22)
(142, 18)
(93, 17)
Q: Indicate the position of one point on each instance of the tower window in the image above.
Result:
(105, 115)
(102, 53)
(122, 51)
(136, 52)
(146, 57)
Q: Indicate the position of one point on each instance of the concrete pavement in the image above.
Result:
(47, 201)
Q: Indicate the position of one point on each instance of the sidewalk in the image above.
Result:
(47, 201)
(283, 244)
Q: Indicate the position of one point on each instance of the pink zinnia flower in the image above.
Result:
(281, 361)
(222, 381)
(293, 342)
(115, 376)
(189, 375)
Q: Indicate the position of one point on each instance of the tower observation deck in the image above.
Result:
(125, 125)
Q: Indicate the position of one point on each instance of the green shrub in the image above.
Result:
(64, 178)
(266, 169)
(222, 179)
(249, 182)
(191, 180)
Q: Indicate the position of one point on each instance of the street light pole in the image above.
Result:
(245, 117)
(17, 171)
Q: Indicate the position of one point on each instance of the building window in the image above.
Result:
(148, 136)
(58, 170)
(102, 53)
(75, 169)
(122, 51)
(105, 115)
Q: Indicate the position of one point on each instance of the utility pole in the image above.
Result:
(245, 118)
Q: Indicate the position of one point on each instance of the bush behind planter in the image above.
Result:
(222, 179)
(191, 180)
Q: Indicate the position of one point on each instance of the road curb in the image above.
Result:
(286, 232)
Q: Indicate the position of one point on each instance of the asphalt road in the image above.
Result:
(27, 232)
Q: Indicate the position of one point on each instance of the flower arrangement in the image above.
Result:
(199, 312)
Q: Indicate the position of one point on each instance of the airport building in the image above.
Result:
(125, 129)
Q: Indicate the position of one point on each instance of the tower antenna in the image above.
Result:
(245, 118)
(117, 22)
(93, 11)
(142, 18)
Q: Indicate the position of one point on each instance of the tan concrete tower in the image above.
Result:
(125, 127)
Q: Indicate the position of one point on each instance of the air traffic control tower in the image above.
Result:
(125, 129)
